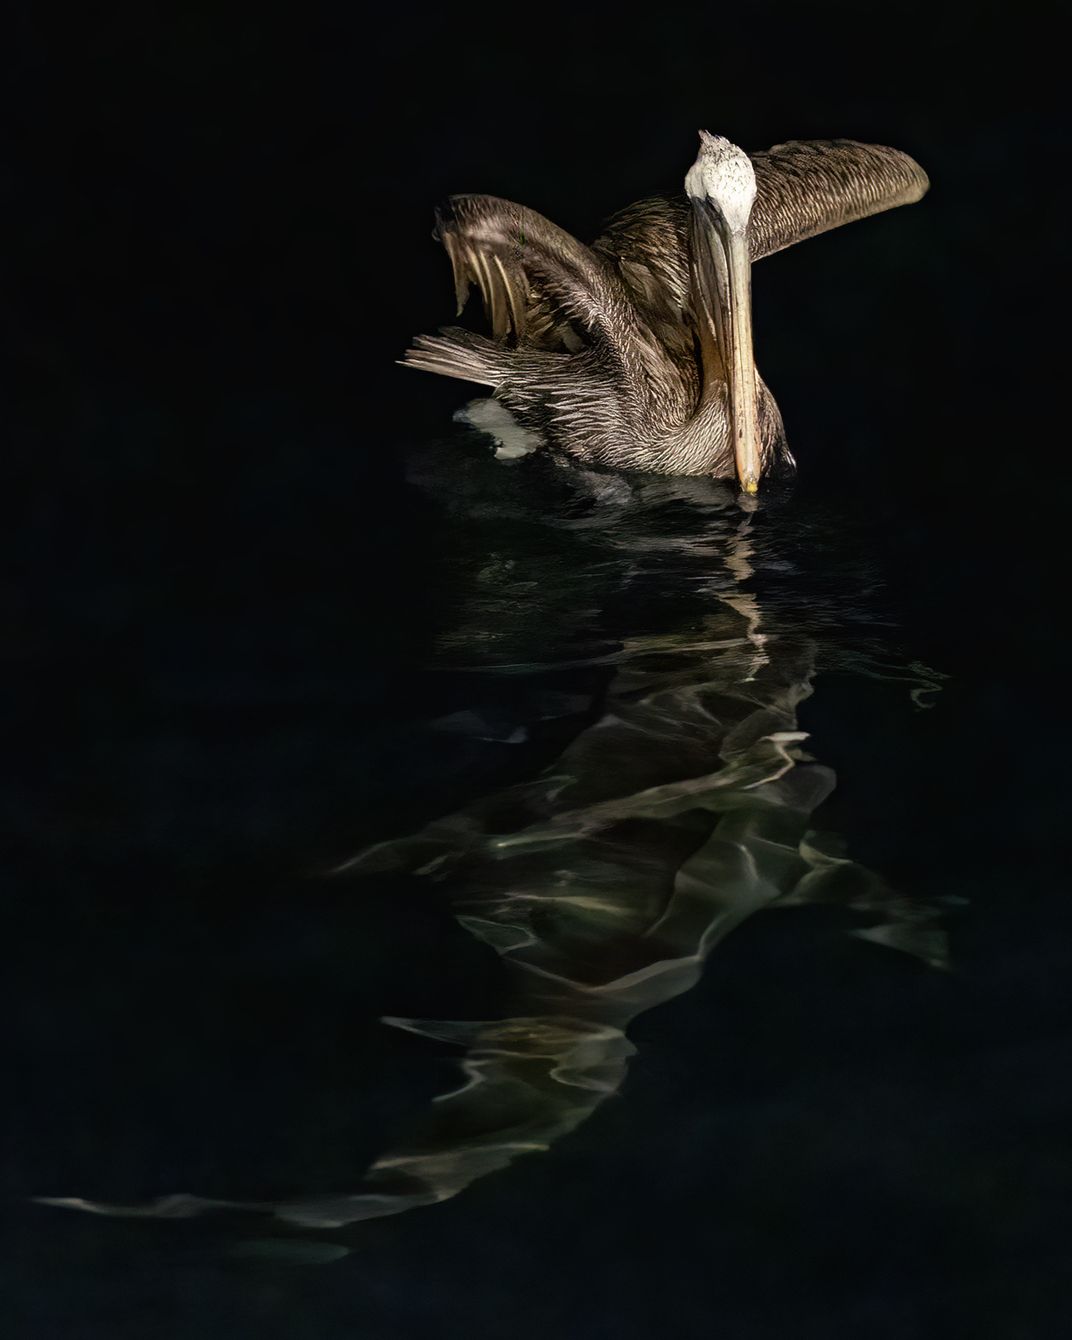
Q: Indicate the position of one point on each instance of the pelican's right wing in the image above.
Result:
(538, 283)
(807, 187)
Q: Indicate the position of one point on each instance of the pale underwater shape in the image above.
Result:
(511, 440)
(604, 883)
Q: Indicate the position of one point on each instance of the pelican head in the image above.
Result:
(721, 185)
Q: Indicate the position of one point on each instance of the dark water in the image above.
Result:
(413, 996)
(643, 648)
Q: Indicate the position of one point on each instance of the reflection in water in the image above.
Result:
(668, 618)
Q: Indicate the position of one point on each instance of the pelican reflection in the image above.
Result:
(684, 803)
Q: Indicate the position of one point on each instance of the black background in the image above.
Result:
(215, 598)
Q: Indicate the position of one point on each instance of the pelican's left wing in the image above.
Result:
(803, 188)
(807, 187)
(538, 283)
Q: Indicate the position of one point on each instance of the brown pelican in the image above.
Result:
(636, 352)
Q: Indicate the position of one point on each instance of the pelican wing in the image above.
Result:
(538, 283)
(807, 187)
(648, 243)
(802, 188)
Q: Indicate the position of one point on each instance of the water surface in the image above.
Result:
(374, 952)
(615, 692)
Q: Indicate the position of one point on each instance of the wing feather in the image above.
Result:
(803, 188)
(807, 187)
(537, 282)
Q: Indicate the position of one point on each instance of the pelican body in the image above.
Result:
(636, 353)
